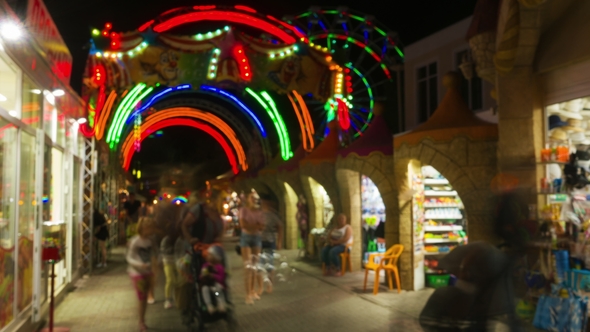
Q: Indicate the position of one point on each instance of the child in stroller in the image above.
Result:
(212, 280)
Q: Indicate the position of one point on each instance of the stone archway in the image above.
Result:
(379, 168)
(292, 229)
(468, 165)
(324, 175)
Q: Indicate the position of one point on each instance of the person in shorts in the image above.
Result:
(272, 235)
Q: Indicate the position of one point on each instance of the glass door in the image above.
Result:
(27, 214)
(8, 243)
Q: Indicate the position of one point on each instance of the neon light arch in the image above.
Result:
(229, 14)
(190, 113)
(186, 123)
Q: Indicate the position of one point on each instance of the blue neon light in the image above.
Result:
(238, 102)
(322, 25)
(156, 97)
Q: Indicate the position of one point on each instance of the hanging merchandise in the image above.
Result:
(372, 217)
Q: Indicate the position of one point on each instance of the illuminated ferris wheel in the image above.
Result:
(367, 51)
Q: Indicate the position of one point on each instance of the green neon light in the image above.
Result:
(277, 121)
(399, 52)
(369, 92)
(120, 108)
(120, 118)
(128, 111)
(329, 108)
(333, 12)
(278, 116)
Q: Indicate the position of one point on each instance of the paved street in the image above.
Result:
(106, 302)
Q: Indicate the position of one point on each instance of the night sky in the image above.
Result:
(413, 20)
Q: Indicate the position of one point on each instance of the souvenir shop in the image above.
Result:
(373, 218)
(439, 222)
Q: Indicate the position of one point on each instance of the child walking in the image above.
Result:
(213, 280)
(139, 258)
(170, 271)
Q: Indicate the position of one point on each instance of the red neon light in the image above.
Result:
(186, 123)
(108, 26)
(100, 75)
(100, 103)
(145, 26)
(204, 7)
(245, 8)
(243, 63)
(290, 27)
(343, 117)
(105, 33)
(218, 15)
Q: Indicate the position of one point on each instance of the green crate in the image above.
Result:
(437, 280)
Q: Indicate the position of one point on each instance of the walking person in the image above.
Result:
(101, 233)
(250, 219)
(131, 207)
(139, 259)
(167, 246)
(339, 237)
(272, 238)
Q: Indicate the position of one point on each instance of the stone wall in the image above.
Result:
(324, 174)
(469, 166)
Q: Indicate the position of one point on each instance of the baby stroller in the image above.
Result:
(196, 315)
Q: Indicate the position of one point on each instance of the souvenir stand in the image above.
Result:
(443, 169)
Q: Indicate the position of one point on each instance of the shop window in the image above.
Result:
(9, 83)
(46, 211)
(32, 102)
(49, 116)
(27, 213)
(427, 90)
(8, 141)
(373, 218)
(76, 215)
(61, 129)
(471, 90)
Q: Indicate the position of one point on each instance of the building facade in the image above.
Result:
(426, 63)
(41, 164)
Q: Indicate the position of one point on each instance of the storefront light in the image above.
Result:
(81, 120)
(50, 97)
(58, 92)
(13, 113)
(36, 91)
(155, 201)
(11, 31)
(3, 98)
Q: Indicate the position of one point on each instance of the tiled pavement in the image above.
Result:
(304, 302)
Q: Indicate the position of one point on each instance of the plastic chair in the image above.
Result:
(344, 259)
(388, 263)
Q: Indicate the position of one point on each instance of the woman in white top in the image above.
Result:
(339, 237)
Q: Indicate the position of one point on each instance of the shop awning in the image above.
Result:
(327, 150)
(377, 138)
(452, 118)
(293, 163)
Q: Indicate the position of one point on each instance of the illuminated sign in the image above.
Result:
(43, 29)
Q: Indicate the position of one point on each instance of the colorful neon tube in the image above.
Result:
(228, 16)
(238, 103)
(155, 98)
(371, 98)
(146, 131)
(306, 135)
(277, 120)
(122, 104)
(128, 111)
(106, 112)
(197, 114)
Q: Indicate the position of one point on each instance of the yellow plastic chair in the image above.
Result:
(345, 259)
(388, 263)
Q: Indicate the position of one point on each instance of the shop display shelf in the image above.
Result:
(440, 193)
(436, 181)
(444, 218)
(426, 253)
(443, 228)
(434, 241)
(551, 162)
(433, 206)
